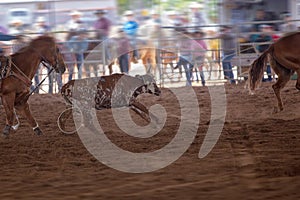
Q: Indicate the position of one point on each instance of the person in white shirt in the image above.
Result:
(195, 17)
(74, 24)
(40, 27)
(288, 25)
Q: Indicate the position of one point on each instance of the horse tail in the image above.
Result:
(256, 70)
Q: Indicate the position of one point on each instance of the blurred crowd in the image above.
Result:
(194, 44)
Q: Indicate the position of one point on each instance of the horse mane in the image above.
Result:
(21, 50)
(42, 38)
(36, 41)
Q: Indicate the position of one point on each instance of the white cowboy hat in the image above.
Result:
(128, 12)
(265, 26)
(195, 5)
(40, 19)
(75, 12)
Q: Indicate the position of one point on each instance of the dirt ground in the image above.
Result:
(256, 157)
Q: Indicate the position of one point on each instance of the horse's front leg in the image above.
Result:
(25, 111)
(8, 104)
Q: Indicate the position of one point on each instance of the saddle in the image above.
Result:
(4, 69)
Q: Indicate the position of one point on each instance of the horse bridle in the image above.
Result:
(44, 61)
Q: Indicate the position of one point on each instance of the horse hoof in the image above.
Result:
(6, 131)
(38, 131)
(277, 110)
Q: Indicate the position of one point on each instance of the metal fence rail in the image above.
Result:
(167, 55)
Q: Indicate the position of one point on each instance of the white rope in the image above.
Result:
(69, 132)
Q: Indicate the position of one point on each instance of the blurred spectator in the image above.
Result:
(265, 37)
(155, 18)
(130, 27)
(260, 16)
(265, 17)
(274, 35)
(186, 46)
(40, 26)
(78, 44)
(288, 25)
(74, 24)
(151, 28)
(152, 32)
(195, 16)
(55, 75)
(102, 27)
(228, 45)
(16, 27)
(123, 52)
(214, 57)
(69, 59)
(172, 19)
(199, 53)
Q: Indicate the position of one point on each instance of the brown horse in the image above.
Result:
(284, 59)
(19, 69)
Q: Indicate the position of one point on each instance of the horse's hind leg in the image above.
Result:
(25, 111)
(283, 78)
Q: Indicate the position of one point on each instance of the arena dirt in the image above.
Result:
(256, 157)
